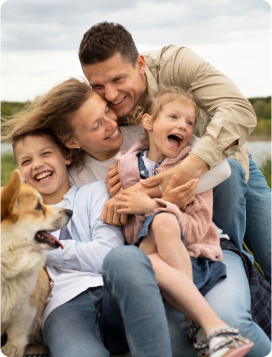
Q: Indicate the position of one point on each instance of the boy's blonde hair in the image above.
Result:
(154, 103)
(52, 112)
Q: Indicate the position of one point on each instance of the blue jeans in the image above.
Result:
(127, 311)
(243, 211)
(230, 299)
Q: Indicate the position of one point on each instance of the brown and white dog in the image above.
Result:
(25, 222)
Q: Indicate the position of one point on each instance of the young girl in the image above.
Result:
(171, 239)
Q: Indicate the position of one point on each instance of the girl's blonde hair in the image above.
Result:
(52, 112)
(154, 103)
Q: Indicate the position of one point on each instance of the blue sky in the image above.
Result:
(40, 38)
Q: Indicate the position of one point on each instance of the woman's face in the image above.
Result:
(95, 129)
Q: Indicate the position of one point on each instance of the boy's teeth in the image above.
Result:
(42, 176)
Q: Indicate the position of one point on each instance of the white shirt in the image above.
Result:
(95, 170)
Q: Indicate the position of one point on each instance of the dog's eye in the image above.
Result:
(39, 206)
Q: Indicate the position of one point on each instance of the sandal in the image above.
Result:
(201, 348)
(235, 344)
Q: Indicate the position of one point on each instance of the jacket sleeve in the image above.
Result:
(233, 117)
(89, 256)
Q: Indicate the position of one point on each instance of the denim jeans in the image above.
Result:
(243, 211)
(127, 311)
(131, 305)
(230, 299)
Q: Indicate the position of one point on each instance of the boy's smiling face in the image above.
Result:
(43, 166)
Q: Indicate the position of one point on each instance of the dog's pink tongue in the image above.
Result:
(51, 239)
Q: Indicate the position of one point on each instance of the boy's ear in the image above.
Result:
(147, 122)
(68, 161)
(72, 144)
(9, 195)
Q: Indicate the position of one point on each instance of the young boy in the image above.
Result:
(80, 310)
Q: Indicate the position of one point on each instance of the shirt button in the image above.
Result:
(142, 172)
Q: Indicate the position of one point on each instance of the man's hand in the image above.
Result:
(181, 195)
(135, 203)
(113, 180)
(191, 167)
(110, 215)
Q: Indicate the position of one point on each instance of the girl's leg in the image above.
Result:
(164, 238)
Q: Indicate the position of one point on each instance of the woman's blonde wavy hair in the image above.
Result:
(52, 113)
(154, 103)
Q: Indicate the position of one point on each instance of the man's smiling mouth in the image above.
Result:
(43, 176)
(119, 101)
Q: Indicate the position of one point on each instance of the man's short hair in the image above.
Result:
(103, 41)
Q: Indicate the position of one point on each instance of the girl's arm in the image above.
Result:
(88, 255)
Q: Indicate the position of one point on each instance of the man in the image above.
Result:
(115, 70)
(121, 75)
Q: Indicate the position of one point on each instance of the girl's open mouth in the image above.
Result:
(175, 140)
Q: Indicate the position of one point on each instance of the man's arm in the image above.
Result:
(233, 117)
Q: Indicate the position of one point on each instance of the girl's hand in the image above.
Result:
(135, 203)
(110, 215)
(113, 180)
(182, 195)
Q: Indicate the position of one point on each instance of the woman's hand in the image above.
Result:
(135, 203)
(182, 195)
(110, 215)
(113, 180)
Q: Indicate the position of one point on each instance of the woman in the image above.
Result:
(84, 122)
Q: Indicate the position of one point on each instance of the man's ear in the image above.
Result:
(147, 122)
(141, 64)
(72, 144)
(9, 195)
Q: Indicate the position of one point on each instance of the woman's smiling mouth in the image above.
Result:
(114, 135)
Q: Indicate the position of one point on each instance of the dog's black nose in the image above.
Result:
(69, 212)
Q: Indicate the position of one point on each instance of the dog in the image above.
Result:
(25, 222)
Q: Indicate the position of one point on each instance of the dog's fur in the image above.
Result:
(24, 282)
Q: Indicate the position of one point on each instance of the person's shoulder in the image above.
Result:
(92, 187)
(163, 54)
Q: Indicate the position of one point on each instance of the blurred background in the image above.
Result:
(40, 41)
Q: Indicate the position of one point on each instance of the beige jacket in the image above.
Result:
(225, 115)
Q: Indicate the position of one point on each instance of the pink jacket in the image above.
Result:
(200, 233)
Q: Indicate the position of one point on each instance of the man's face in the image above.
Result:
(116, 80)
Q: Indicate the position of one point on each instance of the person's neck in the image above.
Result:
(154, 154)
(56, 197)
(104, 156)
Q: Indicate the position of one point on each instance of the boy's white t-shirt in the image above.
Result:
(95, 170)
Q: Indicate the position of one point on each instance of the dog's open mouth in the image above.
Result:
(47, 238)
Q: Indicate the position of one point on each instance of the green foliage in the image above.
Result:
(266, 170)
(8, 164)
(263, 127)
(10, 108)
(262, 107)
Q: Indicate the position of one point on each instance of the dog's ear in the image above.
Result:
(9, 195)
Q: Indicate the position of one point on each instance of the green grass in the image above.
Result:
(8, 164)
(263, 127)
